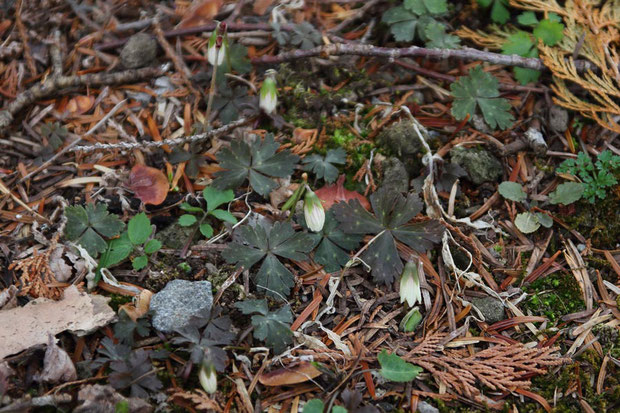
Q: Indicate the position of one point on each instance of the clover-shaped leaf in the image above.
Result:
(438, 38)
(256, 163)
(392, 213)
(280, 240)
(323, 167)
(272, 327)
(193, 157)
(480, 89)
(333, 244)
(87, 226)
(305, 36)
(209, 343)
(230, 101)
(135, 372)
(239, 58)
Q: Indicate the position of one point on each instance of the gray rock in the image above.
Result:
(139, 51)
(424, 407)
(558, 118)
(491, 308)
(178, 302)
(480, 165)
(480, 124)
(400, 140)
(395, 175)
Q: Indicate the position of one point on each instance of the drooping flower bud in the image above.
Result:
(410, 284)
(208, 377)
(411, 320)
(269, 92)
(218, 45)
(313, 211)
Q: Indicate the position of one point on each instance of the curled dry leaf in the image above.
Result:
(330, 194)
(150, 185)
(57, 365)
(80, 104)
(139, 307)
(299, 373)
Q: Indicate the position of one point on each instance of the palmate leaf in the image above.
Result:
(272, 327)
(134, 372)
(279, 240)
(257, 164)
(480, 89)
(392, 213)
(87, 226)
(333, 244)
(323, 167)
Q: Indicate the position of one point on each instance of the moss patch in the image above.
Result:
(553, 296)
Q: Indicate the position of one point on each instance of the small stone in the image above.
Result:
(480, 165)
(395, 175)
(401, 140)
(424, 407)
(480, 124)
(174, 306)
(139, 51)
(491, 308)
(558, 118)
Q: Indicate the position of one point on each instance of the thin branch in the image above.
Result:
(466, 53)
(54, 84)
(156, 144)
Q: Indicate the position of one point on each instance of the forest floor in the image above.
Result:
(309, 206)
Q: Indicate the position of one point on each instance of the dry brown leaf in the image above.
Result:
(80, 104)
(28, 326)
(261, 6)
(299, 373)
(57, 365)
(150, 185)
(200, 12)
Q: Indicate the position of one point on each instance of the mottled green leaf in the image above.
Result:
(274, 329)
(512, 191)
(323, 167)
(567, 193)
(527, 222)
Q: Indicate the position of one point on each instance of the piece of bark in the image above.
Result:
(29, 326)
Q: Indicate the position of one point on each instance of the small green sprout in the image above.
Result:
(214, 199)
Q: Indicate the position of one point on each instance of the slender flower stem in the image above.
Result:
(212, 88)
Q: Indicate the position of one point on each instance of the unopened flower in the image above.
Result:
(411, 320)
(218, 45)
(313, 211)
(410, 284)
(269, 92)
(208, 377)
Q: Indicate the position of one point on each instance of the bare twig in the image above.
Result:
(24, 38)
(54, 84)
(392, 53)
(156, 144)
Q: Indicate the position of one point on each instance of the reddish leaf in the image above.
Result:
(303, 371)
(149, 184)
(330, 194)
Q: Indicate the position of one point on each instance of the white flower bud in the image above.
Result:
(313, 211)
(213, 53)
(410, 284)
(208, 377)
(269, 92)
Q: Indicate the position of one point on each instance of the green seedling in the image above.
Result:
(214, 198)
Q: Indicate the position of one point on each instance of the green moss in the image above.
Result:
(116, 300)
(553, 296)
(599, 221)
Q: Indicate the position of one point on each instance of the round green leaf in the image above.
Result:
(567, 193)
(206, 230)
(139, 262)
(187, 220)
(527, 222)
(512, 191)
(545, 220)
(139, 229)
(152, 246)
(314, 406)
